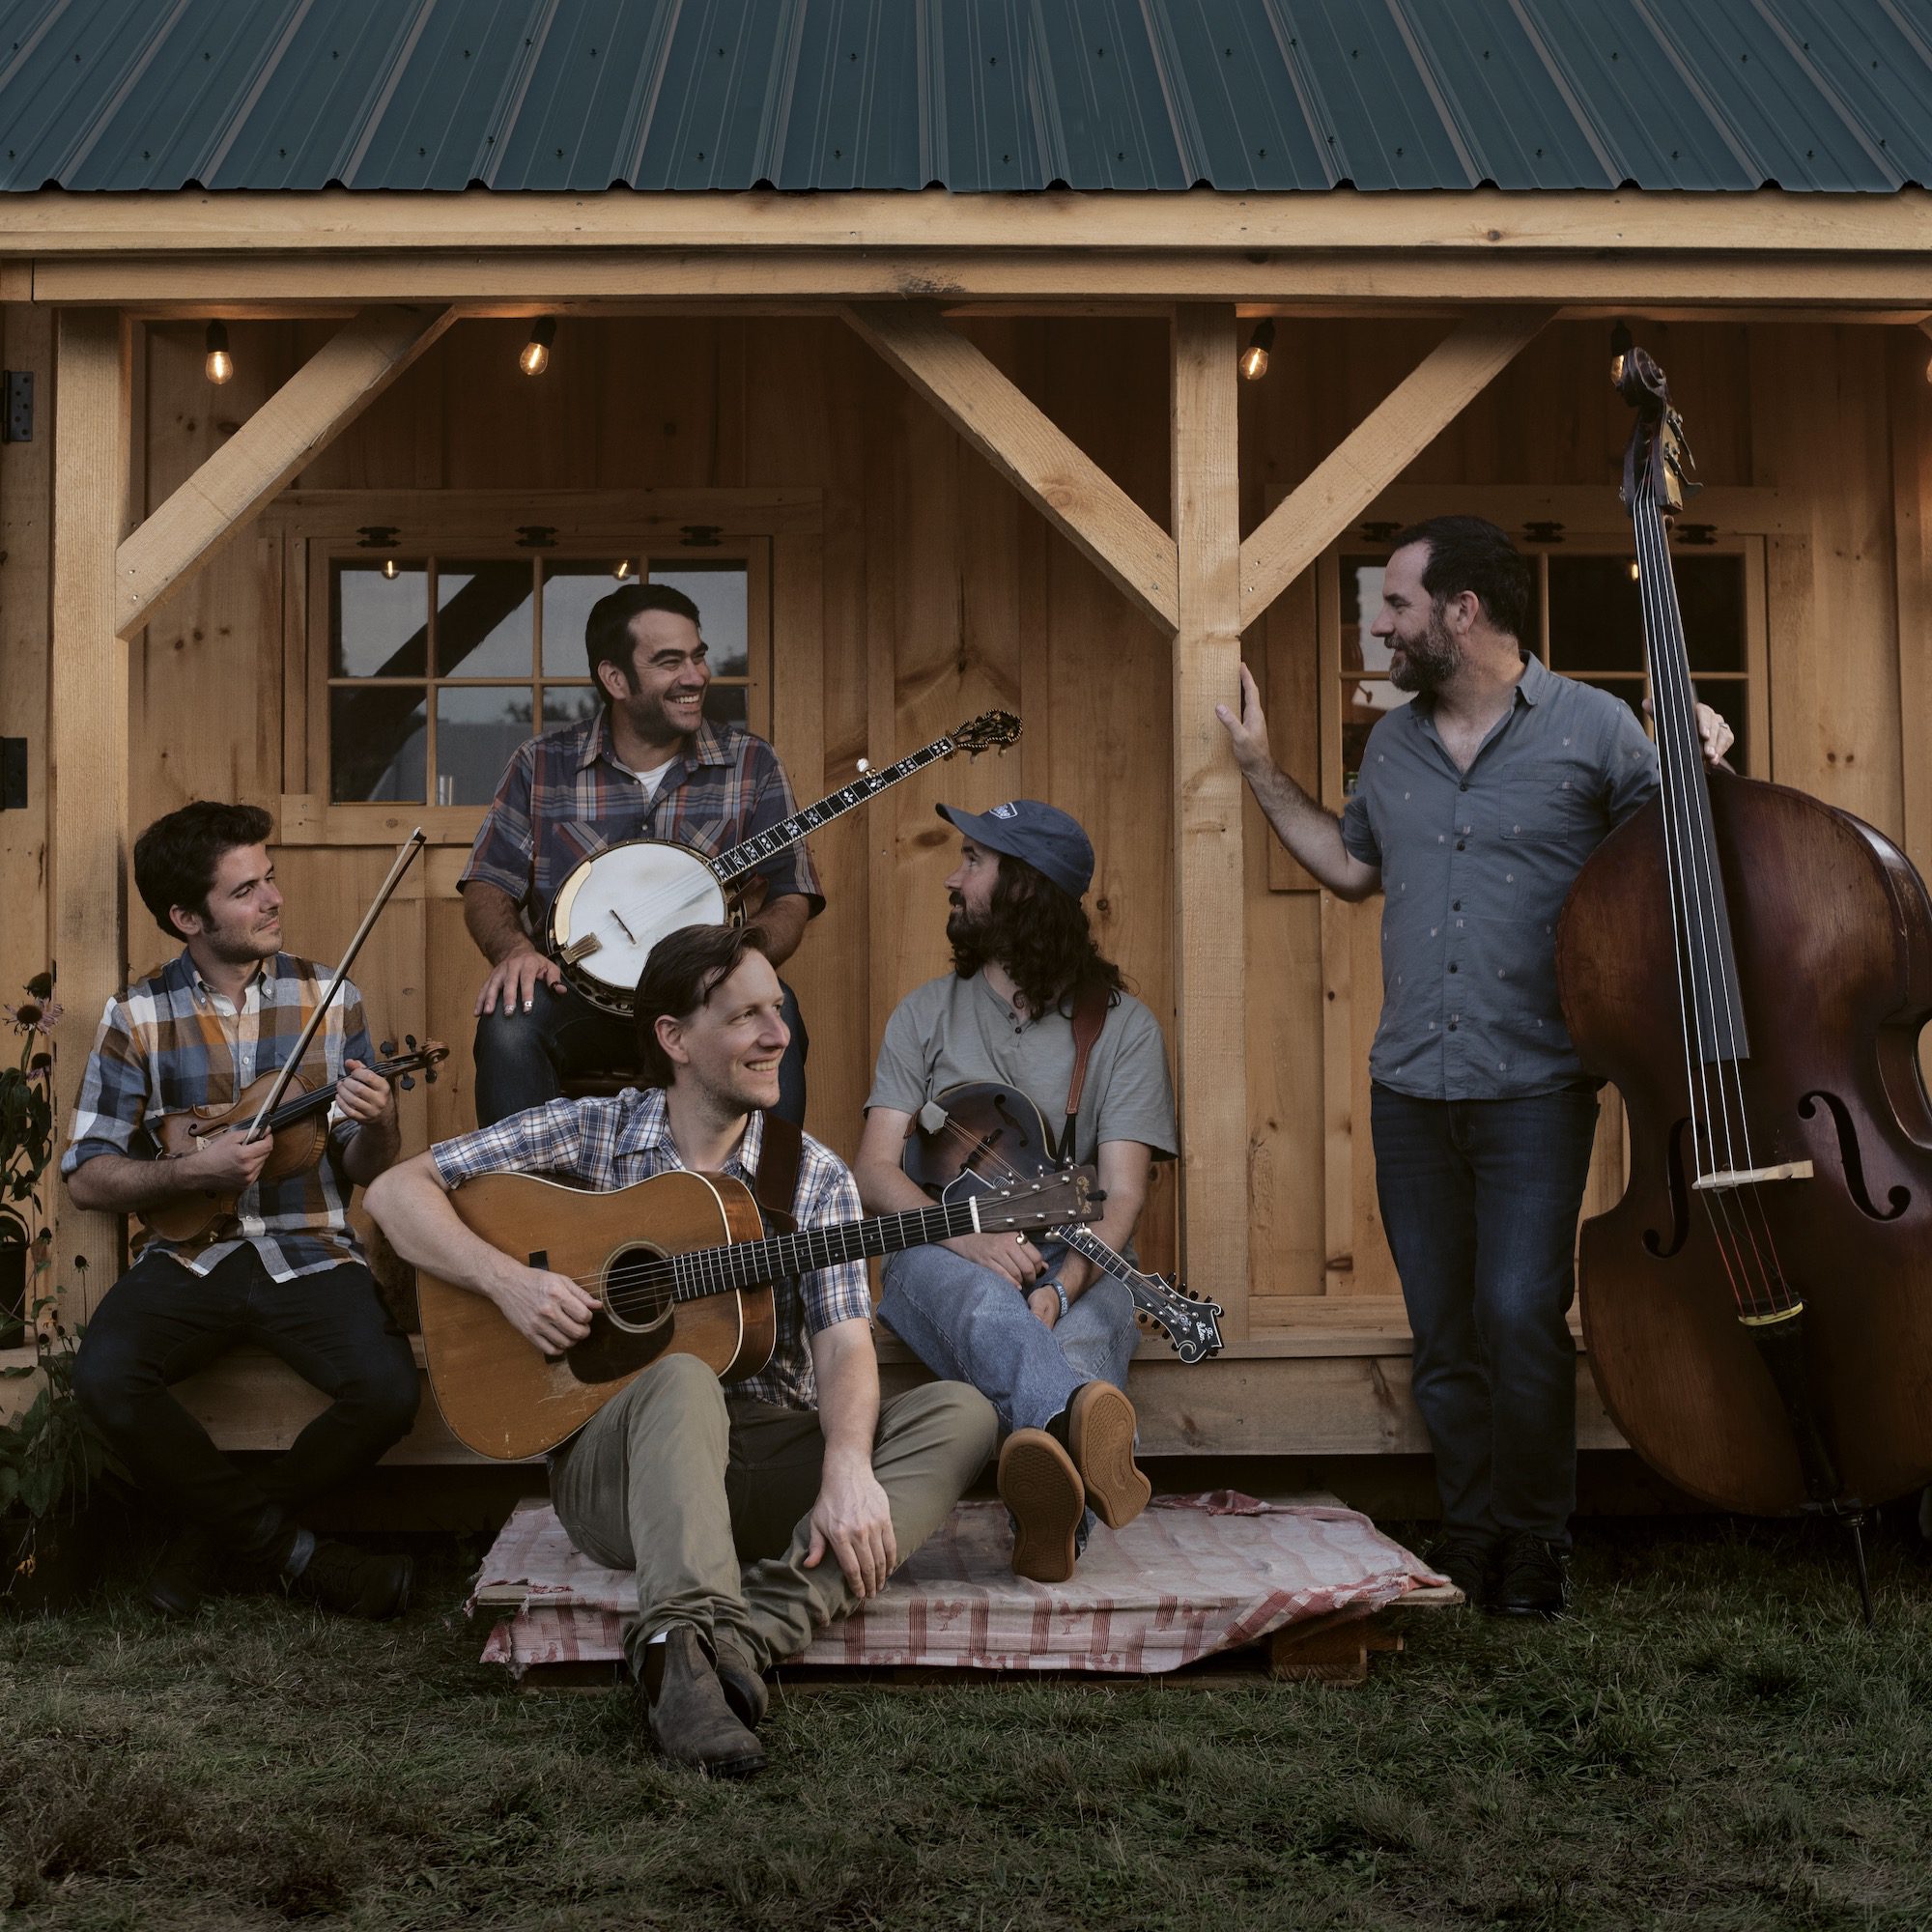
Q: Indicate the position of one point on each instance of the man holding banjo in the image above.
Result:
(648, 766)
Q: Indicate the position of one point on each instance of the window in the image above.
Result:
(1585, 622)
(439, 666)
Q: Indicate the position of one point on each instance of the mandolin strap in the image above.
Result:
(1089, 1015)
(775, 1187)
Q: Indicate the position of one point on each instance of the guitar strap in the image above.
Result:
(775, 1187)
(1089, 1015)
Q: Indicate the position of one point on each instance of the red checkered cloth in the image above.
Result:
(1193, 1576)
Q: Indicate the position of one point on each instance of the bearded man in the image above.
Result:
(1477, 805)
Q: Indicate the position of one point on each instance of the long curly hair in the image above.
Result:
(1039, 933)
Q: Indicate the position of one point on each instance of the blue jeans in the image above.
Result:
(969, 1324)
(523, 1058)
(1480, 1201)
(160, 1323)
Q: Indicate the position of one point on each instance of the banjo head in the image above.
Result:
(617, 904)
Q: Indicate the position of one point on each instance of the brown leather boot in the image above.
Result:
(743, 1688)
(1100, 1434)
(684, 1704)
(1041, 1490)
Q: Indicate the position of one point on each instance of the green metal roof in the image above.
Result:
(974, 96)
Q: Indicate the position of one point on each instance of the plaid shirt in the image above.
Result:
(171, 1042)
(607, 1144)
(565, 796)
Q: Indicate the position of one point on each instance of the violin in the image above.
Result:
(1752, 967)
(299, 1128)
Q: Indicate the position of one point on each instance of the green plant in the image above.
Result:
(27, 1112)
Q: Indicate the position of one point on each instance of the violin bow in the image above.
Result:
(412, 846)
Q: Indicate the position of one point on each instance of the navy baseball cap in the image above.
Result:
(1047, 838)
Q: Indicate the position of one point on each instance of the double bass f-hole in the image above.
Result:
(1851, 1157)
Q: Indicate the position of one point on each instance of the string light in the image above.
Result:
(623, 569)
(220, 366)
(1254, 357)
(389, 568)
(535, 359)
(1633, 570)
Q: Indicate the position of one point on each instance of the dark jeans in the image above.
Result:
(523, 1058)
(160, 1323)
(1480, 1201)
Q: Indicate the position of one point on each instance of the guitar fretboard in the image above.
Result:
(762, 845)
(708, 1271)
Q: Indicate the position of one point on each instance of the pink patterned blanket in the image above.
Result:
(1193, 1576)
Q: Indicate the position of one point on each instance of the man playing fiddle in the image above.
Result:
(284, 1270)
(1477, 805)
(648, 765)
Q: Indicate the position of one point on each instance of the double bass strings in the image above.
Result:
(1702, 956)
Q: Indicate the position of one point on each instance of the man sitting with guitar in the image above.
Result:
(1043, 1332)
(648, 765)
(725, 1504)
(282, 1267)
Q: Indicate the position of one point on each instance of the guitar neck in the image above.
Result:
(731, 865)
(708, 1271)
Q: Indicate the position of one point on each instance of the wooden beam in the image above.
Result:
(1487, 220)
(215, 505)
(1325, 279)
(1376, 452)
(1021, 441)
(87, 748)
(1210, 972)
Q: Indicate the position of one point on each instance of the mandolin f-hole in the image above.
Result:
(1851, 1157)
(1679, 1197)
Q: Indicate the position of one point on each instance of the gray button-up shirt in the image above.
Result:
(1475, 866)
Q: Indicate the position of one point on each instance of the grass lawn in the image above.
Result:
(1711, 1740)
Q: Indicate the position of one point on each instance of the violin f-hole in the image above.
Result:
(1851, 1157)
(1679, 1197)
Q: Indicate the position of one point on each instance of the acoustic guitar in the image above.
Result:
(678, 1265)
(984, 1134)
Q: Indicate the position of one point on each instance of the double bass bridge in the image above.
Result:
(1726, 1179)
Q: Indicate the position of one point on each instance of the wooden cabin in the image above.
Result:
(924, 450)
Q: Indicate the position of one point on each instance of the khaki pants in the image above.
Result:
(706, 1496)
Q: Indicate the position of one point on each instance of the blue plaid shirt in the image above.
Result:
(171, 1044)
(613, 1143)
(565, 796)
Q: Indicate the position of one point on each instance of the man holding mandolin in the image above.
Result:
(647, 766)
(1478, 803)
(751, 1515)
(261, 1249)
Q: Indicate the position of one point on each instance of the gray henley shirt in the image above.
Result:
(1475, 867)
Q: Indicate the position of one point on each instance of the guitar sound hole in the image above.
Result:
(637, 1287)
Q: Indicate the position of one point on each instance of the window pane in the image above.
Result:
(570, 589)
(720, 592)
(725, 704)
(379, 625)
(483, 619)
(377, 740)
(1365, 701)
(1361, 599)
(567, 704)
(1596, 617)
(1711, 590)
(477, 730)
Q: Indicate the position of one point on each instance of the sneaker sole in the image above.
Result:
(1101, 1432)
(1041, 1490)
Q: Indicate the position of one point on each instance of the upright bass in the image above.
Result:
(1753, 969)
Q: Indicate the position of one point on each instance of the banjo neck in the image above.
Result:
(732, 865)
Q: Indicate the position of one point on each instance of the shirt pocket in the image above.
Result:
(1553, 809)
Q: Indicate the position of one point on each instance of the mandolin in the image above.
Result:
(619, 902)
(299, 1126)
(679, 1264)
(987, 1135)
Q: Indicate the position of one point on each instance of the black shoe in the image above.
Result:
(743, 1688)
(1531, 1577)
(689, 1721)
(179, 1579)
(356, 1583)
(1467, 1561)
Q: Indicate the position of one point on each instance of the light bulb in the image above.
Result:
(1633, 570)
(535, 358)
(622, 571)
(389, 568)
(1254, 357)
(220, 364)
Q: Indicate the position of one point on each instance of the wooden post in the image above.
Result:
(1209, 980)
(88, 754)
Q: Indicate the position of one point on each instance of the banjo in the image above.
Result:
(619, 902)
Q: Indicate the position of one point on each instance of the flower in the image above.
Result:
(29, 1016)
